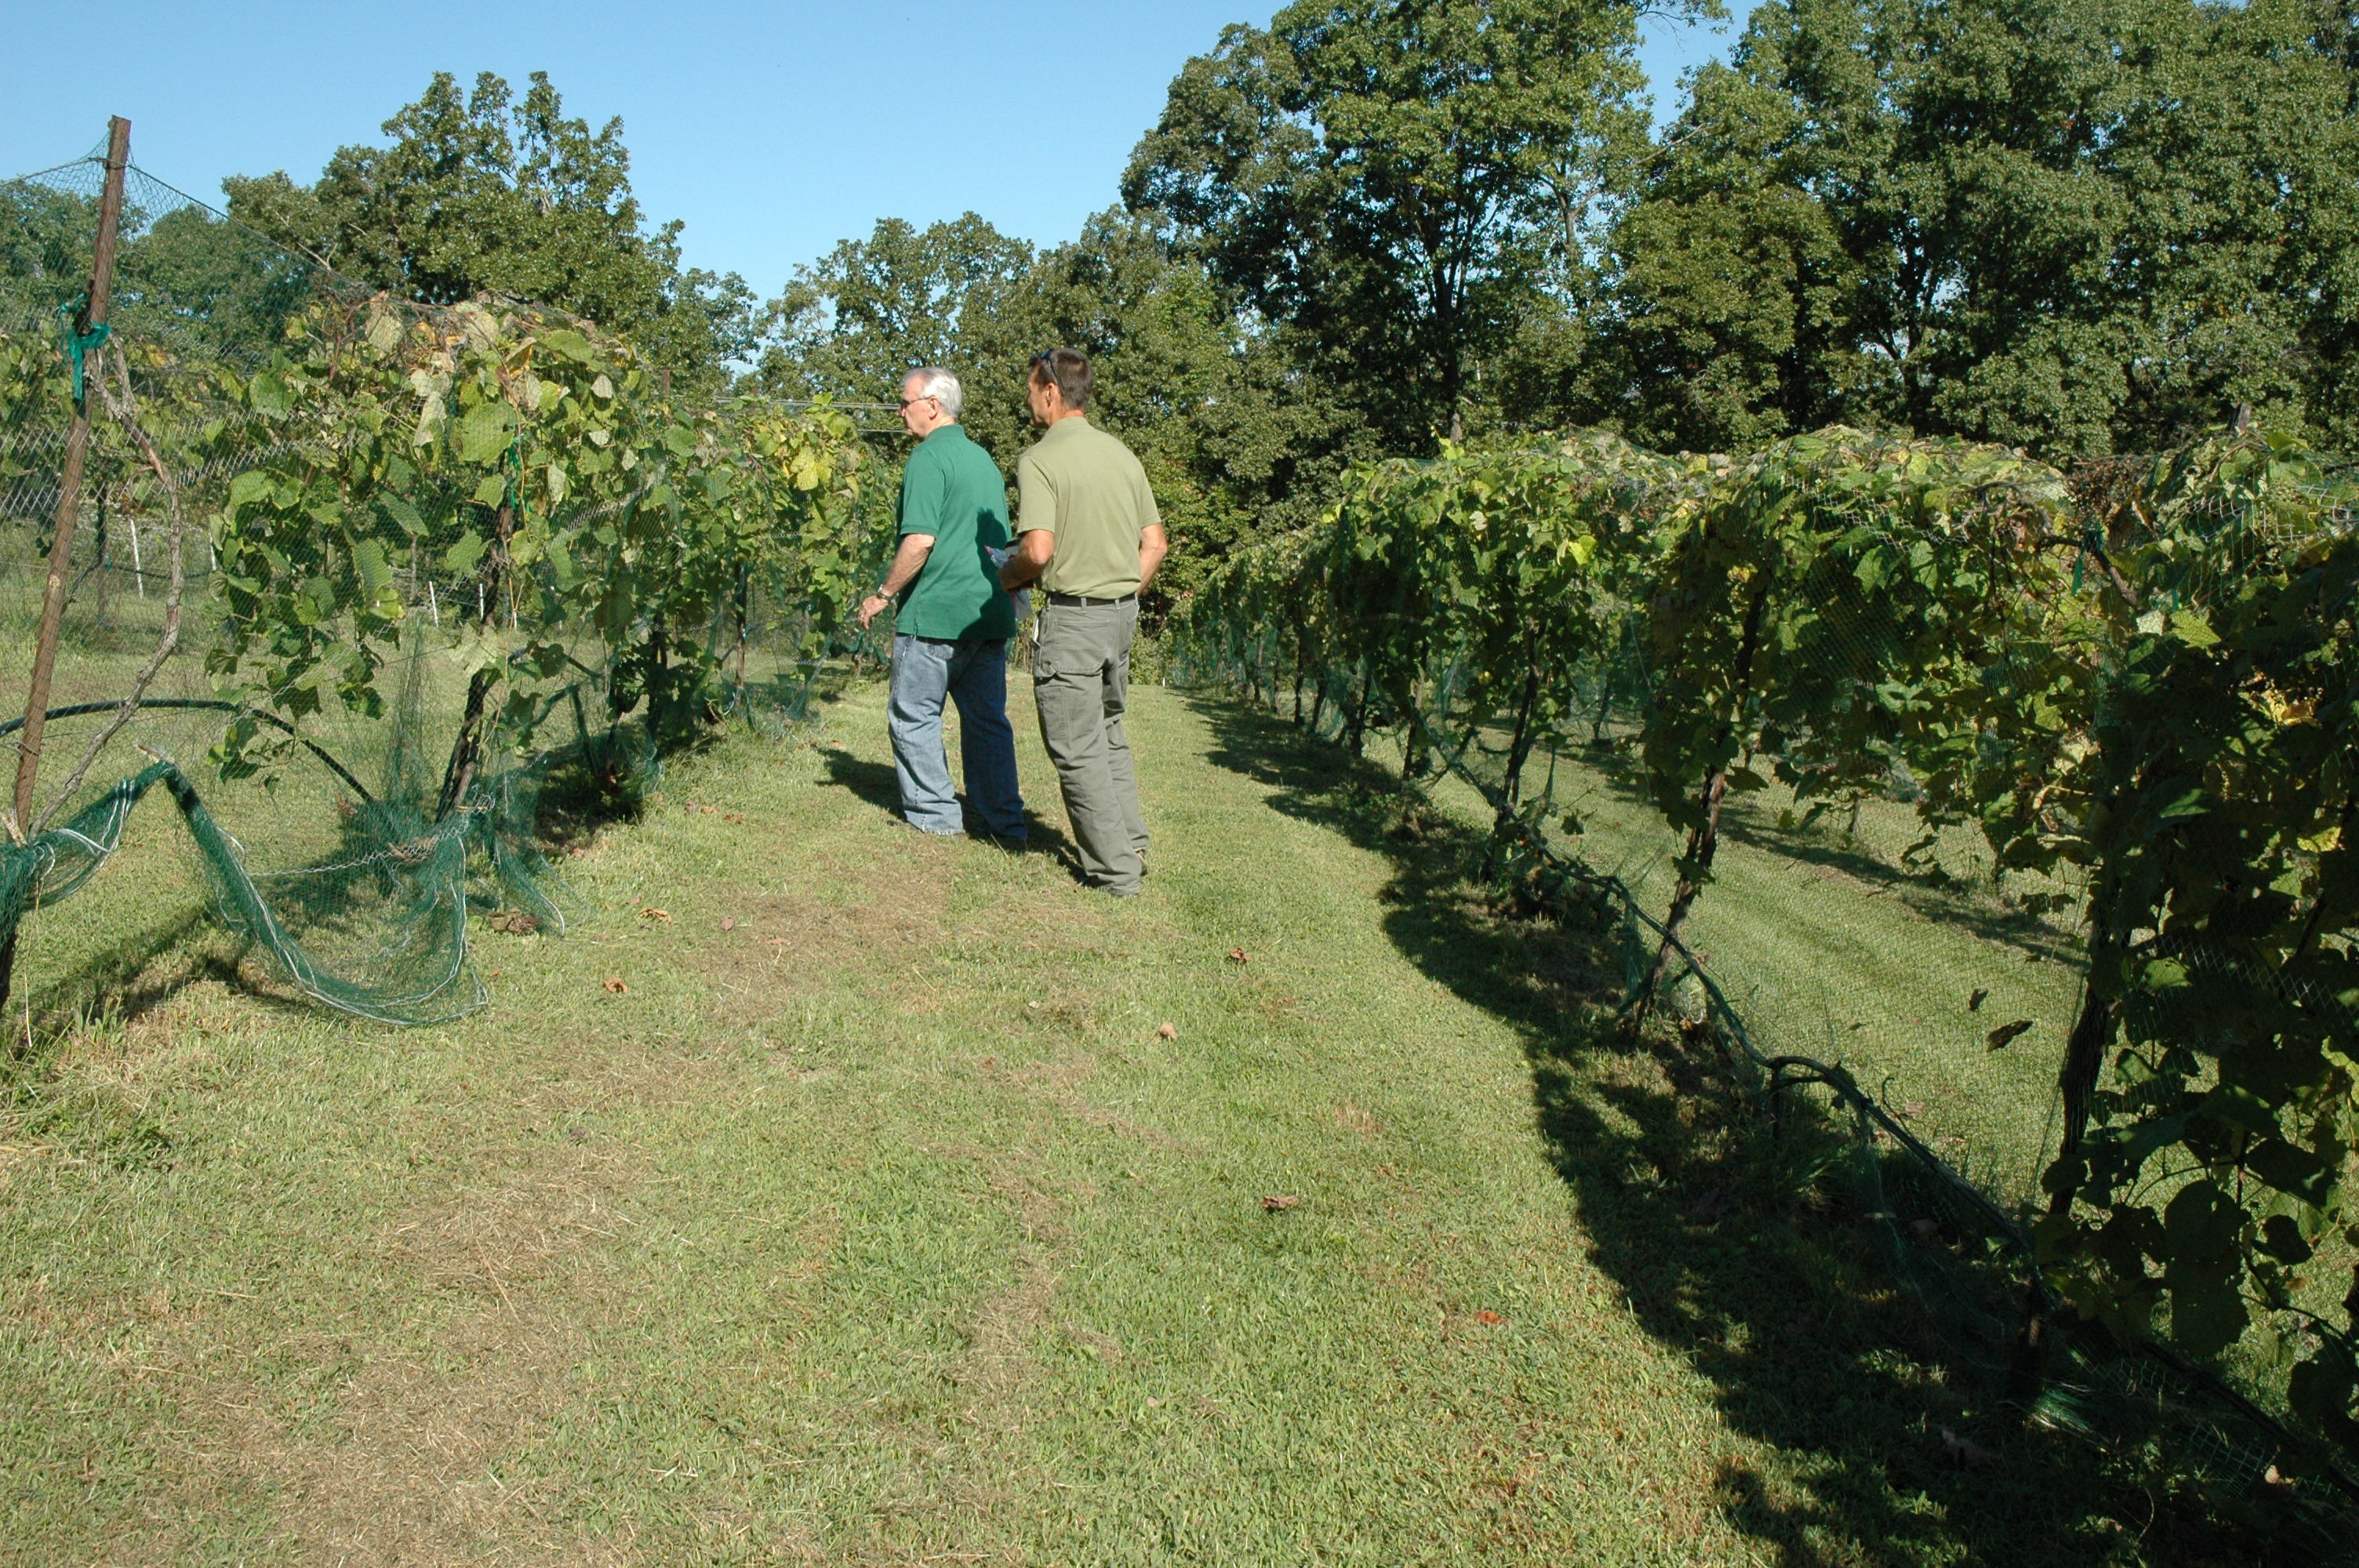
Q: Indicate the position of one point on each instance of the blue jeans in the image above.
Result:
(974, 676)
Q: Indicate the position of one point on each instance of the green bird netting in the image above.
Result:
(376, 590)
(1800, 735)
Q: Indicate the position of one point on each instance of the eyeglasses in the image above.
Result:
(908, 402)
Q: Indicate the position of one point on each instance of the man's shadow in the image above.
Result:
(875, 783)
(872, 781)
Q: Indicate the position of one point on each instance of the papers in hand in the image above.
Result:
(1020, 600)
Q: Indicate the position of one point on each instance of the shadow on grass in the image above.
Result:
(2016, 928)
(131, 978)
(1930, 893)
(104, 993)
(1729, 1245)
(876, 783)
(872, 781)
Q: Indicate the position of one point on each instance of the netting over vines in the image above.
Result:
(2011, 809)
(371, 589)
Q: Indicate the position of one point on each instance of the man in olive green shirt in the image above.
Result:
(1089, 534)
(950, 638)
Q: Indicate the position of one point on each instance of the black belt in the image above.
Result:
(1083, 601)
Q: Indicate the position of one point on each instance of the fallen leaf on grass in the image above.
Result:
(1277, 1205)
(2005, 1034)
(1975, 1002)
(1913, 1109)
(615, 984)
(1237, 955)
(1486, 1317)
(515, 922)
(732, 817)
(1165, 1031)
(649, 911)
(577, 851)
(728, 923)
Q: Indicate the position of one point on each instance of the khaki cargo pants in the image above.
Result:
(1081, 678)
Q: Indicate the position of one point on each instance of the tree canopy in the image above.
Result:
(482, 191)
(2081, 226)
(1399, 186)
(2076, 226)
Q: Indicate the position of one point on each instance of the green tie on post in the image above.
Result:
(80, 345)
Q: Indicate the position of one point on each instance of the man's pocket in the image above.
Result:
(1050, 645)
(1072, 641)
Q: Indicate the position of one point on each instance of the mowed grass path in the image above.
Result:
(883, 1226)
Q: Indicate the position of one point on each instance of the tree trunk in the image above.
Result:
(1519, 745)
(467, 750)
(2084, 1060)
(2085, 1050)
(1703, 840)
(1356, 716)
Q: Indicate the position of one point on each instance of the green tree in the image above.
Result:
(45, 244)
(856, 323)
(1398, 189)
(1235, 440)
(485, 193)
(2074, 225)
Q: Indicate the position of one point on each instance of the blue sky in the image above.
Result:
(773, 130)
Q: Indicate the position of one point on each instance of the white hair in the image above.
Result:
(936, 383)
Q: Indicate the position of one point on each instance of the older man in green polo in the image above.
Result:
(950, 638)
(1088, 532)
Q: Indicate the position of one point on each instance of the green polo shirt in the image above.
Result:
(952, 491)
(1084, 486)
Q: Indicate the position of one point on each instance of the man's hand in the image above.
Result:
(907, 562)
(1032, 552)
(1153, 546)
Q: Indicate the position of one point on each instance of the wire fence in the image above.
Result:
(381, 593)
(1862, 961)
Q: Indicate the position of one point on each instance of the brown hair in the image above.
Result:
(1070, 370)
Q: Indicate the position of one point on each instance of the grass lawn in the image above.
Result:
(834, 1194)
(1827, 947)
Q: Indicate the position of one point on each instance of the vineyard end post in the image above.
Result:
(53, 598)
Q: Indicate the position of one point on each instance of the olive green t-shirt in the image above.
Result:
(952, 491)
(1084, 486)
